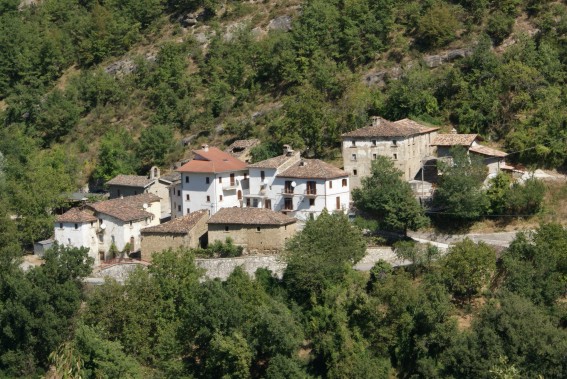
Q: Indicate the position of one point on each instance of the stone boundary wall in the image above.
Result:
(222, 267)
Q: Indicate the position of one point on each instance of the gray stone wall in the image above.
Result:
(269, 239)
(221, 268)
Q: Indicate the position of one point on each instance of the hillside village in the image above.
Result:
(219, 195)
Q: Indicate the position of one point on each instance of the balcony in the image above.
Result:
(310, 192)
(230, 186)
(288, 191)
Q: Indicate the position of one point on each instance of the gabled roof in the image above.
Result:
(484, 150)
(274, 162)
(180, 225)
(171, 177)
(76, 215)
(212, 160)
(313, 169)
(454, 139)
(384, 128)
(130, 181)
(250, 216)
(128, 208)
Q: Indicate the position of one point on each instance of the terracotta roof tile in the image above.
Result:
(454, 139)
(76, 215)
(384, 128)
(130, 181)
(212, 160)
(313, 169)
(129, 208)
(179, 225)
(484, 150)
(250, 216)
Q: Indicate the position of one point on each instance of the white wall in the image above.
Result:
(83, 236)
(198, 189)
(175, 199)
(258, 188)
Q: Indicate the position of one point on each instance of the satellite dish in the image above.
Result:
(145, 206)
(265, 181)
(293, 184)
(103, 226)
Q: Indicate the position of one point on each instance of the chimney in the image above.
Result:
(375, 120)
(287, 150)
(205, 147)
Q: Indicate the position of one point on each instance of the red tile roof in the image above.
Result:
(128, 208)
(454, 139)
(180, 225)
(76, 215)
(250, 216)
(484, 150)
(212, 160)
(313, 169)
(383, 128)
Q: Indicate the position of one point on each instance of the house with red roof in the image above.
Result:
(212, 180)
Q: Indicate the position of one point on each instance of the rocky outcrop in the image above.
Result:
(280, 23)
(433, 61)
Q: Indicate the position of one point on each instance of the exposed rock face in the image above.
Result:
(120, 68)
(433, 61)
(280, 23)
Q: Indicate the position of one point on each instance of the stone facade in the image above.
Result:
(406, 142)
(256, 239)
(156, 239)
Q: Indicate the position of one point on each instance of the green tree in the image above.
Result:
(468, 267)
(155, 146)
(459, 193)
(389, 199)
(320, 255)
(115, 156)
(438, 25)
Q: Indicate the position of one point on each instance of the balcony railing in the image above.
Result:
(310, 192)
(288, 191)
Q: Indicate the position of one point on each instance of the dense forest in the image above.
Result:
(93, 88)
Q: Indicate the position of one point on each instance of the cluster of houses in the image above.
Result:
(220, 194)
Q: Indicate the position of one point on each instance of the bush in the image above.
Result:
(499, 26)
(438, 26)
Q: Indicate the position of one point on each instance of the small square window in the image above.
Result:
(61, 225)
(188, 210)
(207, 180)
(373, 142)
(353, 143)
(330, 184)
(354, 172)
(257, 228)
(178, 193)
(179, 208)
(187, 197)
(187, 179)
(226, 228)
(374, 156)
(262, 175)
(76, 226)
(394, 142)
(353, 157)
(311, 202)
(208, 199)
(395, 157)
(344, 182)
(220, 197)
(220, 179)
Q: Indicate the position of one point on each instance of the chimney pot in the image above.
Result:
(375, 120)
(205, 147)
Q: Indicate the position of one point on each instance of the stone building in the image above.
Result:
(405, 141)
(492, 158)
(188, 231)
(212, 180)
(130, 185)
(258, 230)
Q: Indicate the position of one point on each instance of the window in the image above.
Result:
(187, 179)
(395, 157)
(178, 192)
(220, 197)
(354, 172)
(187, 197)
(92, 224)
(311, 188)
(394, 143)
(232, 181)
(255, 203)
(311, 202)
(130, 223)
(226, 228)
(248, 202)
(373, 142)
(268, 204)
(330, 184)
(262, 175)
(207, 180)
(353, 143)
(288, 188)
(76, 226)
(353, 157)
(188, 210)
(344, 182)
(208, 199)
(338, 202)
(220, 179)
(245, 176)
(100, 221)
(257, 228)
(374, 156)
(61, 225)
(288, 203)
(179, 208)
